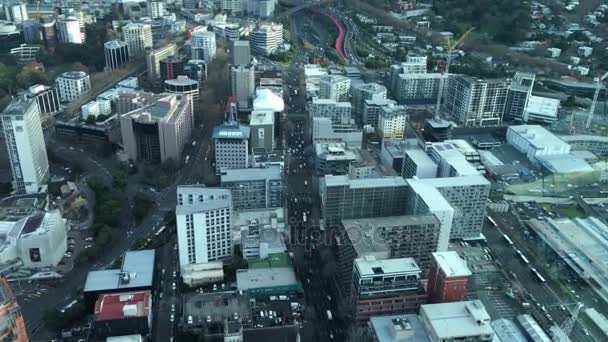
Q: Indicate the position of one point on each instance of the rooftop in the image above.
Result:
(216, 306)
(447, 182)
(537, 136)
(137, 271)
(259, 118)
(507, 331)
(114, 44)
(231, 131)
(251, 174)
(163, 108)
(365, 239)
(343, 180)
(419, 157)
(248, 279)
(398, 328)
(74, 75)
(18, 106)
(122, 305)
(584, 137)
(451, 264)
(182, 80)
(543, 106)
(531, 326)
(457, 320)
(369, 266)
(430, 195)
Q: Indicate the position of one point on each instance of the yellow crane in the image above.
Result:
(443, 81)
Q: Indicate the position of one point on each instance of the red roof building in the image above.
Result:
(119, 314)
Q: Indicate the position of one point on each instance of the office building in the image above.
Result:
(202, 45)
(412, 65)
(241, 54)
(96, 108)
(542, 109)
(346, 198)
(266, 38)
(156, 8)
(474, 102)
(159, 130)
(338, 112)
(48, 31)
(72, 84)
(418, 88)
(138, 37)
(448, 278)
(182, 85)
(25, 145)
(16, 13)
(10, 36)
(457, 321)
(12, 324)
(324, 130)
(154, 56)
(518, 96)
(536, 142)
(262, 130)
(366, 92)
(235, 7)
(31, 31)
(385, 287)
(69, 31)
(122, 314)
(46, 98)
(333, 158)
(254, 188)
(242, 84)
(397, 328)
(196, 69)
(392, 121)
(372, 110)
(25, 53)
(392, 152)
(260, 283)
(437, 130)
(417, 164)
(117, 54)
(334, 87)
(262, 243)
(191, 4)
(203, 217)
(231, 146)
(171, 67)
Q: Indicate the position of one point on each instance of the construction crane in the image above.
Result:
(443, 82)
(598, 82)
(566, 328)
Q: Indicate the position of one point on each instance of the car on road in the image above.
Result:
(331, 335)
(172, 319)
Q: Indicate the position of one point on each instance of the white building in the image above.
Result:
(234, 6)
(46, 98)
(392, 121)
(71, 85)
(68, 31)
(418, 88)
(116, 53)
(96, 108)
(417, 164)
(338, 112)
(474, 102)
(200, 274)
(242, 84)
(266, 38)
(363, 92)
(156, 8)
(334, 87)
(261, 8)
(324, 130)
(585, 51)
(457, 321)
(535, 141)
(372, 110)
(412, 65)
(541, 109)
(138, 37)
(16, 13)
(203, 218)
(202, 45)
(25, 145)
(312, 77)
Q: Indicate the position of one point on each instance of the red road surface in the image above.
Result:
(340, 39)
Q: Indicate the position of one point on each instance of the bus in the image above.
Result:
(329, 316)
(522, 257)
(507, 239)
(538, 276)
(160, 231)
(492, 221)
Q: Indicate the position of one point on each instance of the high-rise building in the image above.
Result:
(412, 65)
(448, 278)
(241, 54)
(519, 94)
(366, 92)
(418, 88)
(254, 188)
(234, 6)
(437, 130)
(372, 110)
(325, 130)
(242, 84)
(12, 325)
(154, 56)
(31, 31)
(171, 67)
(117, 54)
(46, 98)
(191, 4)
(417, 164)
(266, 38)
(474, 102)
(25, 145)
(392, 121)
(48, 31)
(262, 131)
(334, 87)
(68, 31)
(338, 112)
(72, 84)
(183, 85)
(156, 8)
(202, 45)
(138, 37)
(384, 287)
(471, 318)
(203, 217)
(261, 8)
(16, 13)
(231, 146)
(159, 130)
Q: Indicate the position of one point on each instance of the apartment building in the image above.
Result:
(473, 102)
(254, 188)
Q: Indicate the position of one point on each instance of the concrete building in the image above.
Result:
(25, 53)
(202, 45)
(235, 7)
(324, 130)
(46, 98)
(183, 86)
(159, 130)
(231, 146)
(535, 142)
(507, 331)
(241, 54)
(266, 38)
(25, 145)
(338, 112)
(254, 188)
(154, 56)
(392, 121)
(457, 321)
(262, 130)
(203, 217)
(116, 53)
(392, 153)
(195, 275)
(518, 96)
(474, 102)
(156, 8)
(417, 164)
(412, 65)
(372, 110)
(532, 329)
(16, 13)
(312, 76)
(265, 282)
(242, 84)
(138, 37)
(120, 314)
(69, 31)
(417, 89)
(397, 328)
(261, 8)
(448, 278)
(260, 244)
(334, 87)
(96, 108)
(384, 287)
(333, 158)
(596, 144)
(366, 92)
(171, 67)
(71, 85)
(542, 109)
(12, 323)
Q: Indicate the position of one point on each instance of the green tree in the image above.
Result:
(142, 204)
(119, 179)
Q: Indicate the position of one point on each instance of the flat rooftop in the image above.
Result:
(370, 266)
(137, 271)
(419, 157)
(398, 328)
(537, 136)
(272, 172)
(430, 195)
(248, 279)
(365, 242)
(451, 264)
(343, 180)
(231, 131)
(216, 306)
(458, 319)
(122, 305)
